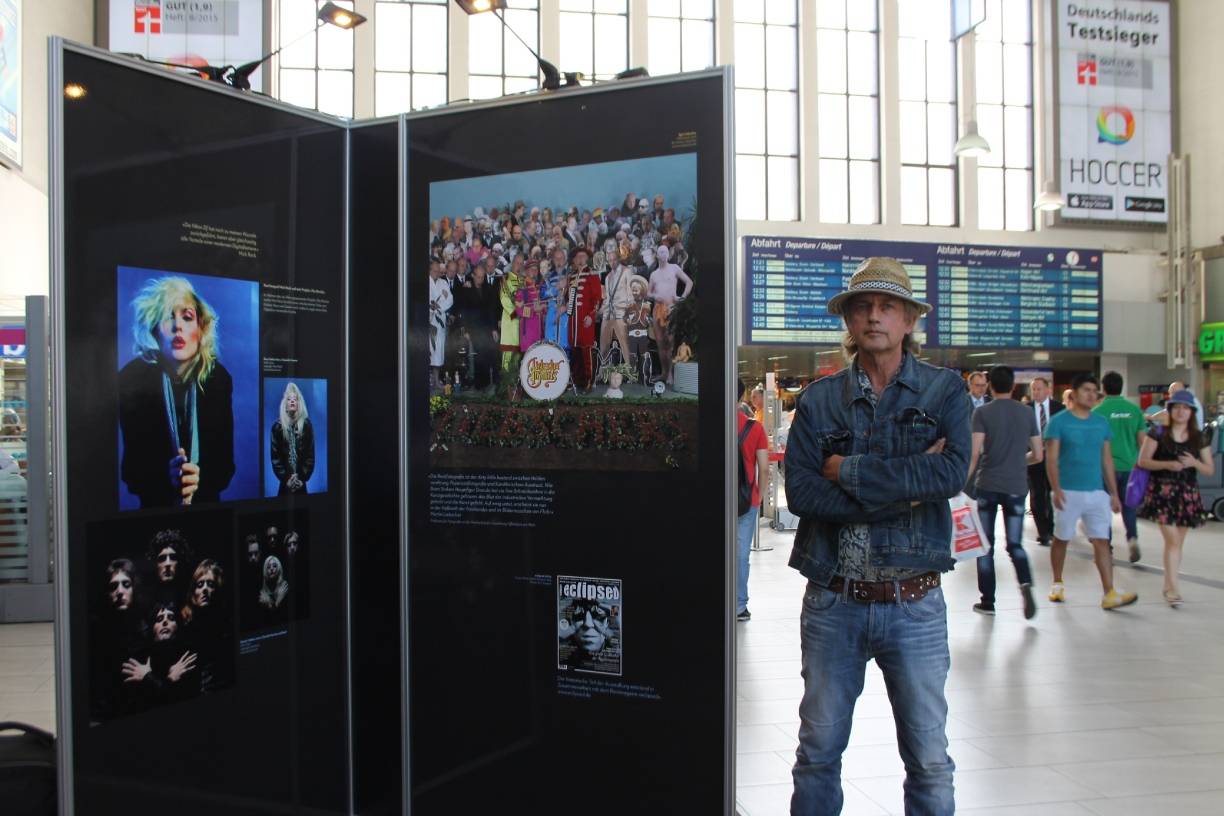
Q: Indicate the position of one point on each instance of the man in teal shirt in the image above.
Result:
(1079, 464)
(1127, 425)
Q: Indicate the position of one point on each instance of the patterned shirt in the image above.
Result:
(854, 540)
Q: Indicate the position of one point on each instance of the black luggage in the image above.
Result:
(27, 771)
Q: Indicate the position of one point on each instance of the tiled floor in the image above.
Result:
(27, 674)
(1076, 712)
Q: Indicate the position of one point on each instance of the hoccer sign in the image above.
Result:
(1114, 108)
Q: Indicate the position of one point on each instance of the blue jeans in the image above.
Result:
(1128, 513)
(1013, 523)
(909, 641)
(744, 530)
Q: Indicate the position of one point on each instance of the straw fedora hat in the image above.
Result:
(883, 275)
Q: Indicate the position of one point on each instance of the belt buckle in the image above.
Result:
(860, 594)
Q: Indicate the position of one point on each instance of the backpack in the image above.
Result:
(745, 484)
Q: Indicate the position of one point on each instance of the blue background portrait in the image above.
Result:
(314, 394)
(236, 303)
(586, 186)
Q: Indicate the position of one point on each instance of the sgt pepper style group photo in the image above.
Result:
(563, 309)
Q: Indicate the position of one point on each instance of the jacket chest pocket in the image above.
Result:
(916, 430)
(835, 441)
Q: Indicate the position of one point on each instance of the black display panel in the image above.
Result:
(201, 313)
(568, 558)
(374, 242)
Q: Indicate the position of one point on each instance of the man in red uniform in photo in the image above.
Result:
(586, 295)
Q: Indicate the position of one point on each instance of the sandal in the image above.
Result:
(1172, 598)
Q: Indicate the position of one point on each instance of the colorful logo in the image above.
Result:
(1086, 70)
(1106, 134)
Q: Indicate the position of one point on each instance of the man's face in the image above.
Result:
(591, 624)
(878, 322)
(451, 269)
(204, 589)
(1040, 391)
(516, 232)
(1085, 396)
(558, 260)
(119, 589)
(658, 202)
(291, 543)
(165, 624)
(167, 564)
(252, 551)
(977, 386)
(270, 536)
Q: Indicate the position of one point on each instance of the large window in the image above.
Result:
(595, 37)
(927, 67)
(316, 63)
(1003, 56)
(498, 64)
(767, 110)
(680, 35)
(409, 55)
(848, 110)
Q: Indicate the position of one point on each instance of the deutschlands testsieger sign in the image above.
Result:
(1115, 113)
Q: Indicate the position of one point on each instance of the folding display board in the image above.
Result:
(569, 560)
(200, 302)
(295, 573)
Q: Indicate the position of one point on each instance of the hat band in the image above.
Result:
(881, 286)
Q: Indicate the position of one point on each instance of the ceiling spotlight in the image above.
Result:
(1050, 199)
(340, 17)
(74, 90)
(972, 145)
(479, 6)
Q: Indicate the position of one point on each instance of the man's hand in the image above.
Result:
(832, 467)
(181, 666)
(938, 446)
(1060, 499)
(134, 671)
(587, 321)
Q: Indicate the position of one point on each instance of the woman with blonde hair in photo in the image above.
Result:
(1175, 456)
(293, 449)
(175, 400)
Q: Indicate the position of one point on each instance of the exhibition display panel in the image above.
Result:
(569, 559)
(454, 595)
(200, 428)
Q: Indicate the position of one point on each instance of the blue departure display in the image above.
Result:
(984, 296)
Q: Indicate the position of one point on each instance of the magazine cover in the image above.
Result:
(590, 630)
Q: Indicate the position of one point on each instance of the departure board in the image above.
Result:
(984, 296)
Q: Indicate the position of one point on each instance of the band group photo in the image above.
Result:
(161, 594)
(549, 281)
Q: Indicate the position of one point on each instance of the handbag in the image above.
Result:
(1137, 483)
(1136, 486)
(968, 538)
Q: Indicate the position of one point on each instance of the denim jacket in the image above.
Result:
(886, 469)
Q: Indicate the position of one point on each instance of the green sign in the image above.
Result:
(1211, 342)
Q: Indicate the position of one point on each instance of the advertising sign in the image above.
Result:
(190, 32)
(1115, 108)
(984, 296)
(10, 82)
(1211, 342)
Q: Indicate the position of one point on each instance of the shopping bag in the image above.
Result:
(1136, 486)
(968, 540)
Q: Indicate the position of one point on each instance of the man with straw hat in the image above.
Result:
(875, 452)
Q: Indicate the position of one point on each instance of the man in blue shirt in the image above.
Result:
(1079, 462)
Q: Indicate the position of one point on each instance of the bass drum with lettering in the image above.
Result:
(545, 371)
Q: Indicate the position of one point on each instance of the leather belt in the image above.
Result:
(912, 589)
